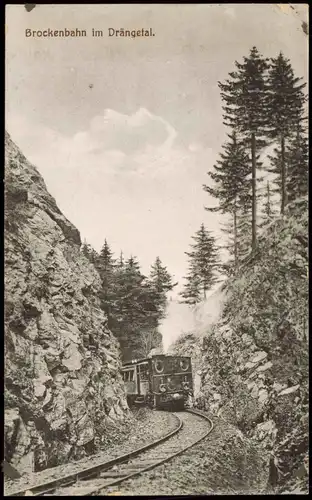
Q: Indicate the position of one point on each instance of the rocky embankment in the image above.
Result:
(254, 360)
(63, 389)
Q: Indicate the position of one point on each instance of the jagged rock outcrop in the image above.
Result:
(62, 382)
(254, 361)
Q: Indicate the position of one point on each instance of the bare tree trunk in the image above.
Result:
(235, 238)
(283, 176)
(269, 201)
(254, 191)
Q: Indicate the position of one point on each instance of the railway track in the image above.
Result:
(193, 426)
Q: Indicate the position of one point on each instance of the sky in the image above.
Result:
(125, 130)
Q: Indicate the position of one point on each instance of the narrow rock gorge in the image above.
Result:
(253, 361)
(63, 388)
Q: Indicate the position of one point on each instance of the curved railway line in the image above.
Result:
(192, 427)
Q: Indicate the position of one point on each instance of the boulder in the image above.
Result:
(289, 390)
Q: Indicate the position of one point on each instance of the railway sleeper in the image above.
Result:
(138, 468)
(115, 474)
(138, 465)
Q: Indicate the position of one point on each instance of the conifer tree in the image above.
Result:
(243, 233)
(191, 293)
(85, 248)
(268, 209)
(162, 282)
(89, 252)
(285, 108)
(120, 262)
(203, 264)
(229, 228)
(244, 94)
(106, 260)
(230, 176)
(297, 158)
(105, 266)
(136, 312)
(160, 277)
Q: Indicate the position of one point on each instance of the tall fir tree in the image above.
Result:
(286, 111)
(298, 165)
(231, 176)
(203, 264)
(105, 266)
(162, 282)
(160, 277)
(244, 94)
(191, 294)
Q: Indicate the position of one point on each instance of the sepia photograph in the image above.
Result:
(156, 283)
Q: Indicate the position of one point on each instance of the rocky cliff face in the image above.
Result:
(63, 389)
(254, 360)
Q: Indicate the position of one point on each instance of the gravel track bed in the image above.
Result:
(194, 427)
(146, 427)
(223, 463)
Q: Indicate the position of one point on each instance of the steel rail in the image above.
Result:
(160, 462)
(51, 485)
(48, 487)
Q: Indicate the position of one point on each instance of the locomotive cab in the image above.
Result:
(161, 381)
(171, 381)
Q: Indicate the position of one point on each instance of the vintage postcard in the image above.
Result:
(156, 249)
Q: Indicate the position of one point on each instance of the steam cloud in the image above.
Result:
(182, 319)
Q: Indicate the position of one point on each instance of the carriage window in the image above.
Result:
(128, 376)
(143, 371)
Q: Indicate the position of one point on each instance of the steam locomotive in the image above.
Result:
(161, 382)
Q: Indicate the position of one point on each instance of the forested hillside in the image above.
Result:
(263, 165)
(253, 361)
(133, 303)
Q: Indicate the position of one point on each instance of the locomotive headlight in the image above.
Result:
(159, 366)
(177, 396)
(162, 388)
(184, 364)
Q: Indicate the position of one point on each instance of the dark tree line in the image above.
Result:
(264, 106)
(134, 303)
